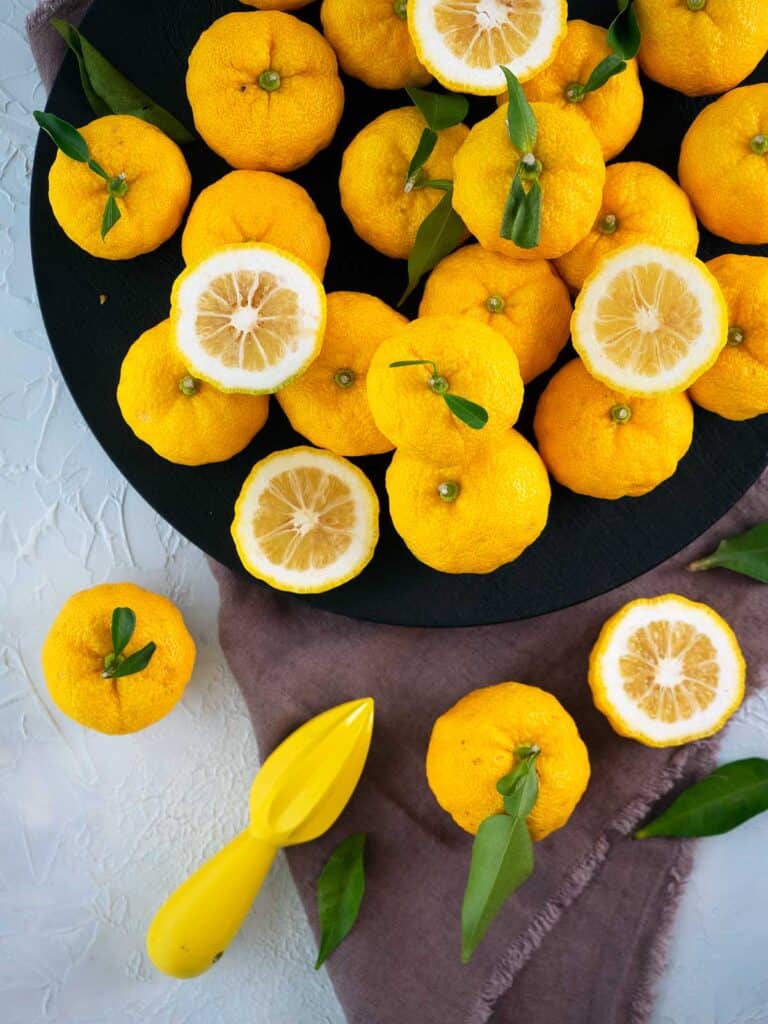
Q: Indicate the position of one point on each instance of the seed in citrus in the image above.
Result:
(256, 206)
(602, 443)
(385, 207)
(149, 180)
(264, 90)
(328, 404)
(524, 300)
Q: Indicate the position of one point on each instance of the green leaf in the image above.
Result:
(624, 31)
(427, 143)
(502, 855)
(521, 220)
(340, 889)
(746, 553)
(474, 415)
(65, 136)
(521, 122)
(439, 234)
(134, 663)
(439, 109)
(728, 797)
(607, 68)
(110, 92)
(123, 625)
(111, 216)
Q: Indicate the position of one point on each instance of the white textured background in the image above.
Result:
(94, 830)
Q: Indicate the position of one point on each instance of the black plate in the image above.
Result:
(589, 546)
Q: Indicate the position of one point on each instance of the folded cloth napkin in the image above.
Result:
(582, 942)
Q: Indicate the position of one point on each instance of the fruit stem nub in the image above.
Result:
(608, 224)
(449, 490)
(269, 80)
(400, 7)
(495, 304)
(574, 92)
(188, 385)
(344, 378)
(736, 336)
(759, 144)
(696, 5)
(621, 413)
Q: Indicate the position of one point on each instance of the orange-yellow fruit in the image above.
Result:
(473, 516)
(571, 179)
(473, 745)
(80, 639)
(700, 47)
(605, 444)
(264, 90)
(640, 204)
(384, 208)
(472, 361)
(724, 165)
(524, 300)
(328, 404)
(182, 418)
(276, 5)
(372, 42)
(614, 110)
(737, 385)
(256, 206)
(155, 179)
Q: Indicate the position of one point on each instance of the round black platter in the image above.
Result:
(588, 547)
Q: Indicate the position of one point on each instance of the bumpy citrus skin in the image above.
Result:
(373, 175)
(372, 43)
(276, 5)
(264, 123)
(328, 404)
(703, 51)
(572, 179)
(499, 510)
(720, 169)
(256, 206)
(80, 638)
(477, 363)
(640, 204)
(156, 175)
(524, 300)
(598, 442)
(614, 110)
(181, 418)
(473, 746)
(737, 385)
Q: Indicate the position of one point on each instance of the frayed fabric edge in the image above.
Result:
(509, 966)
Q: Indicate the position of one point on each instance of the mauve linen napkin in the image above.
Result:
(582, 942)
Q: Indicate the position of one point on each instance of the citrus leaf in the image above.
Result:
(111, 216)
(439, 109)
(624, 31)
(340, 889)
(746, 553)
(108, 91)
(731, 795)
(427, 143)
(607, 68)
(65, 136)
(439, 234)
(134, 663)
(123, 625)
(521, 220)
(474, 415)
(521, 122)
(502, 859)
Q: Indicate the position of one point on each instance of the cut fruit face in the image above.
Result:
(463, 42)
(248, 318)
(306, 520)
(649, 321)
(666, 671)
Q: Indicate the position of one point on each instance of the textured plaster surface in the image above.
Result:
(95, 831)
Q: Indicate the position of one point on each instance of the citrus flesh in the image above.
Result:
(649, 320)
(248, 317)
(306, 520)
(666, 671)
(464, 42)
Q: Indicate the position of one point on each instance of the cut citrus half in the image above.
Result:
(666, 671)
(249, 317)
(649, 320)
(306, 520)
(463, 42)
